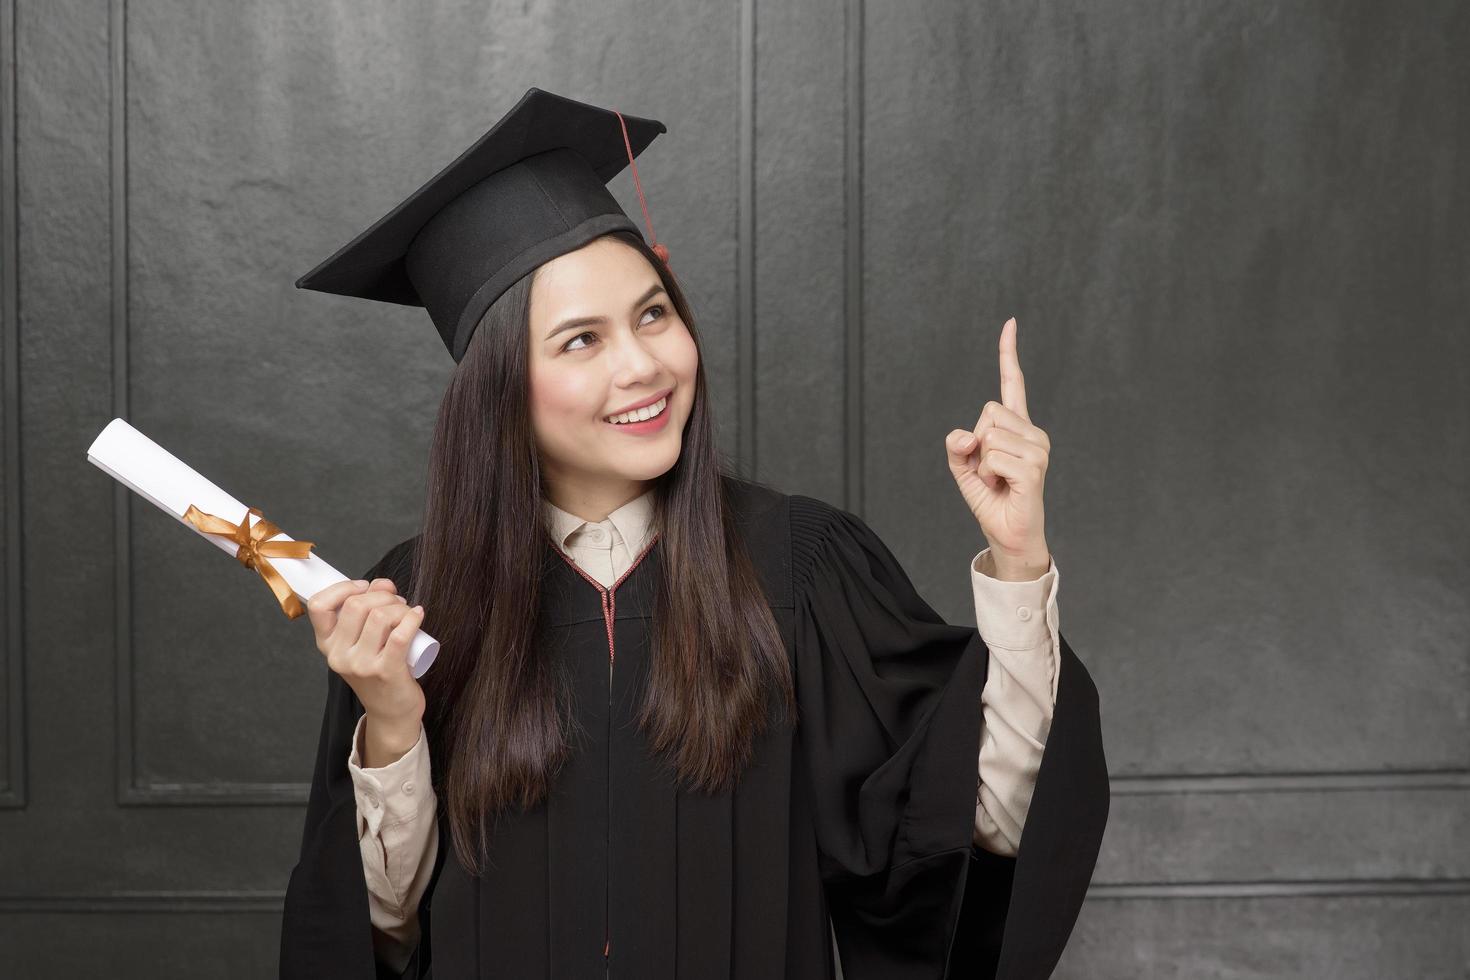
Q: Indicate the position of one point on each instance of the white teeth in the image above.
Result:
(640, 414)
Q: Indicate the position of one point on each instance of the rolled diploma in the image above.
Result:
(158, 476)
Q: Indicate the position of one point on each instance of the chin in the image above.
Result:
(649, 462)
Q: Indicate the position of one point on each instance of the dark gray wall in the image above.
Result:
(1234, 237)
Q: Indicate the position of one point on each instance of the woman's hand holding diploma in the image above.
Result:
(1000, 467)
(364, 630)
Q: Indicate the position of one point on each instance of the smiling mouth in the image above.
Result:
(640, 415)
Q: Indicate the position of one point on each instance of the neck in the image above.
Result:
(593, 502)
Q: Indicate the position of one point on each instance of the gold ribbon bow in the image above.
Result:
(254, 550)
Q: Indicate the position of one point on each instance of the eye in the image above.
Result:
(568, 345)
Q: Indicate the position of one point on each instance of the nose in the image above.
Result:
(634, 364)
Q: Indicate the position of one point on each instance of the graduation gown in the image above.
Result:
(861, 813)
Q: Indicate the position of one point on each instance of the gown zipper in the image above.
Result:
(607, 617)
(609, 614)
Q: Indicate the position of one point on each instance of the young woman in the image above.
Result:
(785, 735)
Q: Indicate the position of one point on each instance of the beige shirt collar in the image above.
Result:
(631, 523)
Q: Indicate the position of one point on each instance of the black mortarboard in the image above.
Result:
(532, 188)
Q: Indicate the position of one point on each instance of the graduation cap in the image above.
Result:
(532, 188)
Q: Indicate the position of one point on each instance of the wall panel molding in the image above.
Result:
(130, 792)
(228, 901)
(852, 277)
(232, 901)
(13, 788)
(745, 243)
(1362, 888)
(1299, 782)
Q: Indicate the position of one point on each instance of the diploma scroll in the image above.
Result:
(158, 476)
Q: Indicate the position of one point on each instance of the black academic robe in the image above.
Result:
(862, 812)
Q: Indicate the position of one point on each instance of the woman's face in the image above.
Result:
(604, 336)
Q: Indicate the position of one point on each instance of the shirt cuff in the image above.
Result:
(1014, 615)
(392, 794)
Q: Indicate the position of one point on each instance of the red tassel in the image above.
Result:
(659, 248)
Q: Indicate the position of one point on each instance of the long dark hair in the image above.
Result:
(498, 715)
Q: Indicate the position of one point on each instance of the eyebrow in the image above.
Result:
(588, 321)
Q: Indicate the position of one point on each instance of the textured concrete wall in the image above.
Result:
(1234, 238)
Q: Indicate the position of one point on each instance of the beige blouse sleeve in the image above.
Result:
(399, 837)
(1018, 622)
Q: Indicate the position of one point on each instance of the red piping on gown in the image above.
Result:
(609, 612)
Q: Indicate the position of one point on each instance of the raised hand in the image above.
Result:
(1000, 468)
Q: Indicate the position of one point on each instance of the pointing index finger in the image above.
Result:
(1012, 383)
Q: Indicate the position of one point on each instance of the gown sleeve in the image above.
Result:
(888, 702)
(326, 927)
